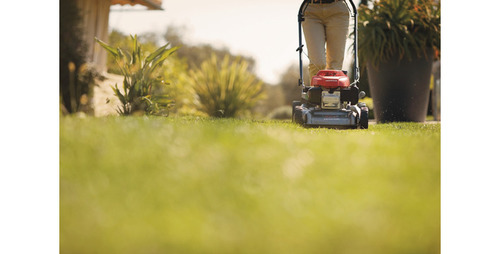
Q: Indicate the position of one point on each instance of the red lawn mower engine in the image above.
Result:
(330, 89)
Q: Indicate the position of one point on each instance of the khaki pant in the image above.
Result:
(326, 23)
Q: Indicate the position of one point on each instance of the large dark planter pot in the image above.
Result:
(400, 89)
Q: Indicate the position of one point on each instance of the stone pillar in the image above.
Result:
(95, 20)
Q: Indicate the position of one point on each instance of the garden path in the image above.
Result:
(103, 92)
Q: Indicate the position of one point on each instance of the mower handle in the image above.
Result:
(302, 9)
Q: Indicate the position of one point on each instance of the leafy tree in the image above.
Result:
(289, 84)
(197, 54)
(274, 99)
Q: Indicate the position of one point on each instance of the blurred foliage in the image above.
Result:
(179, 90)
(273, 100)
(76, 78)
(181, 65)
(244, 186)
(225, 88)
(369, 104)
(283, 113)
(289, 84)
(143, 86)
(398, 28)
(192, 57)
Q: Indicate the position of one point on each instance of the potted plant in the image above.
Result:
(398, 41)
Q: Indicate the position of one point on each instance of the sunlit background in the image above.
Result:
(264, 30)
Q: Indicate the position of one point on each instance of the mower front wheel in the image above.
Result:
(363, 120)
(296, 113)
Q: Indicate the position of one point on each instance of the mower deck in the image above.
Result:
(347, 118)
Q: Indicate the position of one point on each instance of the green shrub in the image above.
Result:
(225, 89)
(121, 40)
(144, 88)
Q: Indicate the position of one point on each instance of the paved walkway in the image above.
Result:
(103, 93)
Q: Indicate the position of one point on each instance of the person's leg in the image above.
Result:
(337, 28)
(314, 33)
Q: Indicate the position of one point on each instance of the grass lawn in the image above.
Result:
(176, 185)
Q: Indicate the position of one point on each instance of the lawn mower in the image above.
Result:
(330, 100)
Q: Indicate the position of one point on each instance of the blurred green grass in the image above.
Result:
(181, 185)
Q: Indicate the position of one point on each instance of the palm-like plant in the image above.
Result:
(225, 89)
(398, 28)
(143, 87)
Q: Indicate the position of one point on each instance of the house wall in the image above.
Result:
(95, 15)
(151, 4)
